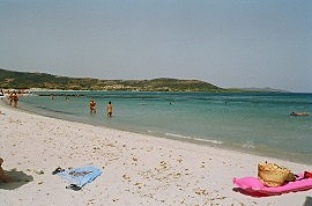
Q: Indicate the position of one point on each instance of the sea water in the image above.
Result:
(250, 122)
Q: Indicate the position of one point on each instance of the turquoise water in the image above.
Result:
(251, 122)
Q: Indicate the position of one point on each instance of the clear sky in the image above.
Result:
(229, 43)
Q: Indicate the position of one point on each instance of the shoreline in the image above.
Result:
(263, 152)
(137, 169)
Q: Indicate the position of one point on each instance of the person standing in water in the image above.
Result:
(92, 105)
(109, 109)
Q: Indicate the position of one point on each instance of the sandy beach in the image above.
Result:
(136, 169)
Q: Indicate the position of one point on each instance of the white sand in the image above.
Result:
(137, 169)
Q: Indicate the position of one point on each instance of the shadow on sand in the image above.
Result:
(308, 201)
(19, 178)
(253, 193)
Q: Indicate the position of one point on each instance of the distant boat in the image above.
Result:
(299, 114)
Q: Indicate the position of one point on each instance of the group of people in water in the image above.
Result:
(109, 108)
(92, 106)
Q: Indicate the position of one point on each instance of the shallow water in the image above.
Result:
(253, 122)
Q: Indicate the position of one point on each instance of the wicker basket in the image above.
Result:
(273, 175)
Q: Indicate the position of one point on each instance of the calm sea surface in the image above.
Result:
(250, 122)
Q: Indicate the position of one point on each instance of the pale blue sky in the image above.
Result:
(229, 43)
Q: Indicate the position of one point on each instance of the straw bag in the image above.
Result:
(273, 175)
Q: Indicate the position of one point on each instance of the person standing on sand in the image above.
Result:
(109, 109)
(15, 99)
(10, 97)
(92, 105)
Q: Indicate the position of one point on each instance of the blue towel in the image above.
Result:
(80, 176)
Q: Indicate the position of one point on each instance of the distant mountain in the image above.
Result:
(26, 80)
(266, 89)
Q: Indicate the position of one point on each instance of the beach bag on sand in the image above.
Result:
(273, 175)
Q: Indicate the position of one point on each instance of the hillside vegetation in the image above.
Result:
(26, 80)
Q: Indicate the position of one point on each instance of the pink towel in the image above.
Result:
(254, 185)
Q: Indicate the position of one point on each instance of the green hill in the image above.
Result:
(25, 80)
